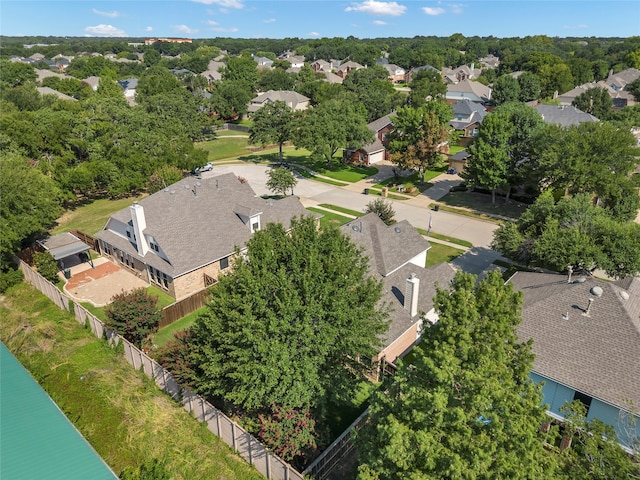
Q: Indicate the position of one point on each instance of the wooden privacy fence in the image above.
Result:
(268, 464)
(88, 239)
(177, 310)
(334, 453)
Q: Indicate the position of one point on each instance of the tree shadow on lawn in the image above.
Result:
(481, 203)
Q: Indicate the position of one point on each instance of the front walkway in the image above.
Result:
(98, 285)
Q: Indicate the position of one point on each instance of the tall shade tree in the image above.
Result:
(330, 126)
(465, 407)
(288, 325)
(272, 123)
(426, 85)
(590, 158)
(29, 203)
(489, 162)
(419, 136)
(572, 232)
(505, 89)
(529, 87)
(595, 101)
(229, 100)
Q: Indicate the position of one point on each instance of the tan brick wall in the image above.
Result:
(187, 284)
(397, 348)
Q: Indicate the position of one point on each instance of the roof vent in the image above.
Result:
(355, 228)
(186, 186)
(597, 291)
(172, 192)
(624, 295)
(581, 279)
(398, 229)
(166, 189)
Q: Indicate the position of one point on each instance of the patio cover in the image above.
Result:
(64, 245)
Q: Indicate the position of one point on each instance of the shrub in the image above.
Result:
(10, 278)
(134, 315)
(289, 432)
(383, 209)
(46, 265)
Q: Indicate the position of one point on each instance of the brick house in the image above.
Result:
(397, 255)
(181, 238)
(375, 151)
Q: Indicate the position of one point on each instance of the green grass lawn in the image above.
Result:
(455, 149)
(344, 415)
(439, 253)
(411, 182)
(446, 238)
(230, 133)
(223, 148)
(91, 217)
(330, 217)
(123, 415)
(164, 299)
(348, 211)
(165, 334)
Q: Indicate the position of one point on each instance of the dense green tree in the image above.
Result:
(134, 315)
(276, 79)
(69, 86)
(581, 70)
(272, 124)
(374, 91)
(156, 81)
(29, 204)
(489, 163)
(151, 57)
(230, 99)
(585, 158)
(419, 136)
(164, 176)
(382, 209)
(465, 407)
(595, 101)
(241, 69)
(505, 89)
(426, 85)
(46, 265)
(280, 180)
(330, 126)
(529, 87)
(287, 327)
(634, 88)
(572, 232)
(13, 74)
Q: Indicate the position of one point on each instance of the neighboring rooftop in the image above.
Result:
(564, 115)
(597, 354)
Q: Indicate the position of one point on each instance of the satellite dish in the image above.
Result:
(597, 291)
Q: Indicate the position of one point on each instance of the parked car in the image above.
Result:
(206, 168)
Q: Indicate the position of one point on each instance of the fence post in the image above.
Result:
(233, 435)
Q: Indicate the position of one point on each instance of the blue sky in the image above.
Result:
(320, 18)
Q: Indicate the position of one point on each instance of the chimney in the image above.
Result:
(139, 224)
(411, 295)
(570, 270)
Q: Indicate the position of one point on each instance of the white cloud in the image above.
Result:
(379, 22)
(108, 30)
(433, 11)
(184, 29)
(223, 3)
(374, 7)
(148, 29)
(114, 14)
(456, 8)
(270, 20)
(313, 34)
(213, 23)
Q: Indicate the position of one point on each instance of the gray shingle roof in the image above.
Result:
(389, 249)
(564, 116)
(291, 98)
(195, 229)
(598, 354)
(389, 246)
(380, 123)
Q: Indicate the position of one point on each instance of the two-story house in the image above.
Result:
(375, 151)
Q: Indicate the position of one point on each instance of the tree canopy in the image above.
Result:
(464, 407)
(288, 325)
(272, 123)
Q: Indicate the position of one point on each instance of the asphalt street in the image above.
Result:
(311, 193)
